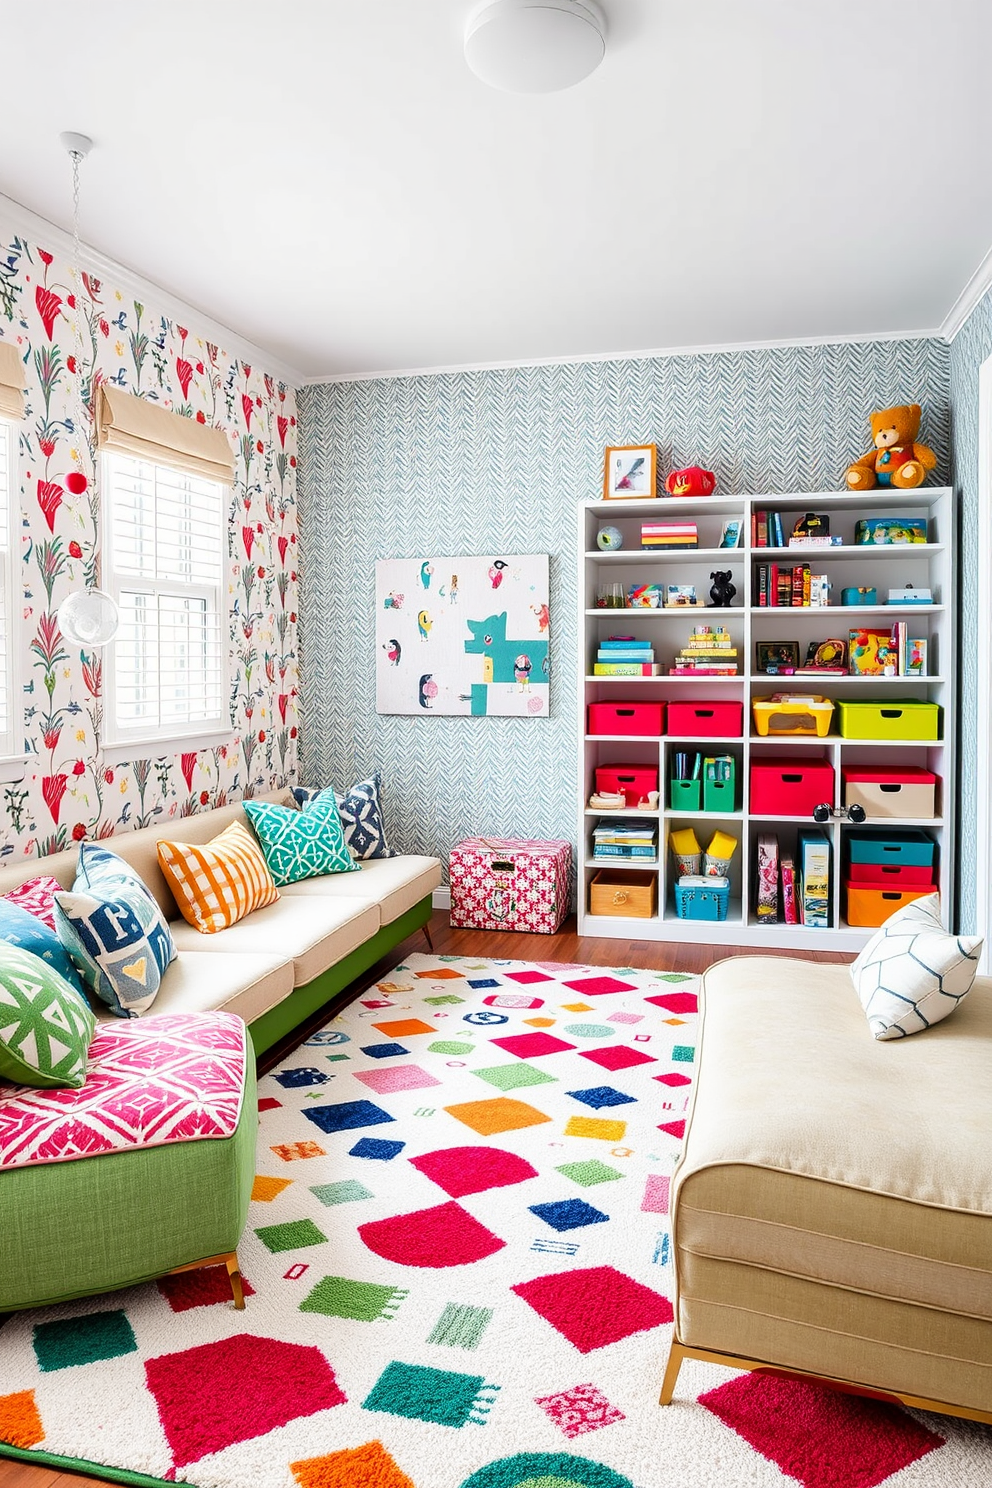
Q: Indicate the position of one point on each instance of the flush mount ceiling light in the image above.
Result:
(535, 46)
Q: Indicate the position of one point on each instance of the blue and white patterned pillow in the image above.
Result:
(19, 928)
(913, 972)
(114, 932)
(361, 817)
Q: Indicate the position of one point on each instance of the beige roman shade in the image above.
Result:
(133, 426)
(12, 382)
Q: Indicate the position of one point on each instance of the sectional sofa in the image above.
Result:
(277, 966)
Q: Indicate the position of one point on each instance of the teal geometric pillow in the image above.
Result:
(20, 928)
(119, 941)
(45, 1027)
(301, 844)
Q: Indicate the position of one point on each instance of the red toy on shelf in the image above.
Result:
(692, 481)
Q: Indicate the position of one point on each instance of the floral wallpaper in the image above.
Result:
(71, 342)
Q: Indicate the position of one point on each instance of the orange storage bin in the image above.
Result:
(871, 906)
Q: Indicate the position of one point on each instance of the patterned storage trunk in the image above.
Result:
(505, 883)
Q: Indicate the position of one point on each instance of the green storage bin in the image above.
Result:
(888, 718)
(718, 795)
(685, 795)
(881, 845)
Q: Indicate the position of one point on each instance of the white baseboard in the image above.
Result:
(441, 898)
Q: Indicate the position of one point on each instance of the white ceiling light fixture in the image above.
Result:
(535, 46)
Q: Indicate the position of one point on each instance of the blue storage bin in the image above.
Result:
(910, 847)
(698, 903)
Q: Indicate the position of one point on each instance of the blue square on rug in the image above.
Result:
(376, 1147)
(347, 1115)
(384, 1051)
(568, 1214)
(601, 1095)
(296, 1079)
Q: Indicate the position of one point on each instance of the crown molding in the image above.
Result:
(973, 293)
(713, 349)
(24, 223)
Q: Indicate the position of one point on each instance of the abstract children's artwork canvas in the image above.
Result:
(463, 635)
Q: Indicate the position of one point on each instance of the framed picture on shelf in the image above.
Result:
(731, 535)
(777, 656)
(631, 472)
(827, 654)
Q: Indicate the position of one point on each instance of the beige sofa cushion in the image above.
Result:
(397, 884)
(140, 849)
(205, 982)
(314, 933)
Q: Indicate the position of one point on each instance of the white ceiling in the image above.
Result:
(327, 178)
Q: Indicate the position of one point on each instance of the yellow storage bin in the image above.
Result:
(793, 713)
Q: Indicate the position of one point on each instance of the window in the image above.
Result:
(11, 742)
(165, 566)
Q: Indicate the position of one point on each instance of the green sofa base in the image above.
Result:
(280, 1021)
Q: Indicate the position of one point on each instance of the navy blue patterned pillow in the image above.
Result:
(361, 818)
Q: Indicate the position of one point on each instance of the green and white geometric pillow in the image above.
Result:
(914, 973)
(301, 844)
(45, 1028)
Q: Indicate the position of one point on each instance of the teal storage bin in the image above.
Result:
(911, 847)
(685, 795)
(718, 795)
(695, 902)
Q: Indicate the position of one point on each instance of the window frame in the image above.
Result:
(13, 755)
(120, 744)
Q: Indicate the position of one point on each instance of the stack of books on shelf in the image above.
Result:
(625, 840)
(659, 536)
(623, 656)
(707, 653)
(797, 587)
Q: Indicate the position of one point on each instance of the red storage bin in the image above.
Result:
(892, 875)
(634, 780)
(790, 785)
(647, 719)
(705, 720)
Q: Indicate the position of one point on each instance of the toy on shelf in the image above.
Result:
(716, 859)
(866, 595)
(722, 591)
(608, 801)
(894, 459)
(813, 524)
(692, 481)
(889, 531)
(609, 539)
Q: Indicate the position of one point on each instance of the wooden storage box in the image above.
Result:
(621, 893)
(907, 791)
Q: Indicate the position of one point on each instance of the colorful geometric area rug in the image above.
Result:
(458, 1273)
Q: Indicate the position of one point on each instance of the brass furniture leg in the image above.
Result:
(230, 1260)
(675, 1356)
(427, 937)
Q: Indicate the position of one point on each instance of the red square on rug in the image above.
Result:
(203, 1287)
(823, 1438)
(617, 1057)
(526, 978)
(594, 1307)
(598, 986)
(676, 1002)
(532, 1045)
(673, 1079)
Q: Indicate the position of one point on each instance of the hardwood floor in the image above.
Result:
(654, 955)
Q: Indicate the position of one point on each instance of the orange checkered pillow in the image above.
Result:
(218, 884)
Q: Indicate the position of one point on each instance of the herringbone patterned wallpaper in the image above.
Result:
(481, 462)
(970, 347)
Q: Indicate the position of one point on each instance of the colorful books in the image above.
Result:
(872, 653)
(668, 535)
(814, 867)
(707, 652)
(626, 669)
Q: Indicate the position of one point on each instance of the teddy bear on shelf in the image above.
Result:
(895, 460)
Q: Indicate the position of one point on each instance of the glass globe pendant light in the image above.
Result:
(88, 617)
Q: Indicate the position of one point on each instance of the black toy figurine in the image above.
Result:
(722, 591)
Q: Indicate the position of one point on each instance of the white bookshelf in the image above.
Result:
(931, 564)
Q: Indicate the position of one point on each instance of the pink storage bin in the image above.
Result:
(892, 875)
(627, 718)
(505, 883)
(789, 785)
(634, 780)
(704, 720)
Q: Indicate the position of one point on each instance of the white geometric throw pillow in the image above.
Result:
(913, 972)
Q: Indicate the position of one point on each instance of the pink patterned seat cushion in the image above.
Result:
(149, 1082)
(37, 896)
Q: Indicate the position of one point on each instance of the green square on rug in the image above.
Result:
(513, 1076)
(346, 1191)
(588, 1173)
(292, 1236)
(365, 1301)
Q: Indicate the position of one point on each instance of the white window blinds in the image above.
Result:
(166, 569)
